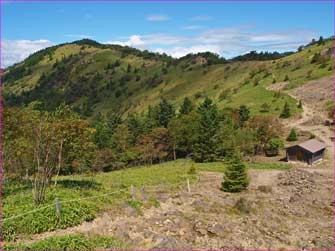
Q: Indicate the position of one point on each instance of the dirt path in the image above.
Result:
(314, 96)
(211, 219)
(305, 123)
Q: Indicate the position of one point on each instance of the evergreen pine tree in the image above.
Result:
(235, 175)
(321, 41)
(128, 68)
(205, 144)
(292, 136)
(286, 113)
(165, 113)
(186, 106)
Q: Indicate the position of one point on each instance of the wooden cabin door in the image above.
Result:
(299, 155)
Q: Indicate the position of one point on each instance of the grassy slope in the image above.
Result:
(182, 80)
(17, 198)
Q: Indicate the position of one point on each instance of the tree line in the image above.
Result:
(40, 145)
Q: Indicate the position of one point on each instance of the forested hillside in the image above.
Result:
(93, 78)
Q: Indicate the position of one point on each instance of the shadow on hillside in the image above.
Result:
(81, 184)
(10, 187)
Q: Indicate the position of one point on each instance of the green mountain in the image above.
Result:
(93, 77)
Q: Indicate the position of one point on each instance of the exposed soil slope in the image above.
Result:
(281, 209)
(314, 96)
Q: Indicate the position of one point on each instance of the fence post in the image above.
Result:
(132, 190)
(188, 185)
(57, 206)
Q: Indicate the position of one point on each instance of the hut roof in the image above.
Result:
(312, 145)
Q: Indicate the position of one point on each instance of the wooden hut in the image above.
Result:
(308, 151)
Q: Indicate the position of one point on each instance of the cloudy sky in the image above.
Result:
(177, 29)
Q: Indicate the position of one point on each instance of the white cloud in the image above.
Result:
(192, 27)
(178, 52)
(145, 41)
(14, 51)
(157, 17)
(133, 41)
(227, 42)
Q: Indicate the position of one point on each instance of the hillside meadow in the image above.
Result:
(95, 78)
(158, 178)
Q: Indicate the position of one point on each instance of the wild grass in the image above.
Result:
(73, 242)
(17, 196)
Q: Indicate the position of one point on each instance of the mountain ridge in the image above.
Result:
(94, 77)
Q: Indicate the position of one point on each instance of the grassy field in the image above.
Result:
(17, 197)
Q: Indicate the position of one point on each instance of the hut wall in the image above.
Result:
(291, 153)
(318, 155)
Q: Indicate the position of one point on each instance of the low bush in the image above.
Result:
(243, 206)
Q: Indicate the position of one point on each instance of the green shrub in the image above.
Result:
(300, 104)
(265, 107)
(72, 214)
(154, 202)
(273, 146)
(192, 170)
(135, 204)
(243, 206)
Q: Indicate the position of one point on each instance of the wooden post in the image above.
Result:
(57, 207)
(132, 190)
(188, 186)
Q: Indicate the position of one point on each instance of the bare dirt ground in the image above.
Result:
(314, 96)
(281, 210)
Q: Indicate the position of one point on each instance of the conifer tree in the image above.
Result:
(186, 106)
(244, 113)
(321, 41)
(165, 113)
(205, 146)
(235, 175)
(292, 136)
(286, 113)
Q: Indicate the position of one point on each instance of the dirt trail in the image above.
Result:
(314, 96)
(211, 219)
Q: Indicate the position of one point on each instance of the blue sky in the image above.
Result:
(175, 28)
